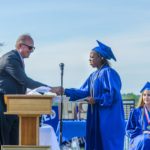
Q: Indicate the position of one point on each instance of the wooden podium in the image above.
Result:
(28, 108)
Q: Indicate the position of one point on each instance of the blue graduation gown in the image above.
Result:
(136, 124)
(105, 127)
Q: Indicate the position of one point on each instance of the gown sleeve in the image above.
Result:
(80, 93)
(110, 90)
(134, 125)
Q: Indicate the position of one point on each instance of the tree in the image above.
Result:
(131, 96)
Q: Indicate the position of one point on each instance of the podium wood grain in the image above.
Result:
(28, 108)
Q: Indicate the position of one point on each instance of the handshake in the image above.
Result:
(58, 90)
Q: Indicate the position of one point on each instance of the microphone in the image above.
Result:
(61, 65)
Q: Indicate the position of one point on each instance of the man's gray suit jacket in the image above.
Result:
(13, 79)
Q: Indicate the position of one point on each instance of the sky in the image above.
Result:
(65, 31)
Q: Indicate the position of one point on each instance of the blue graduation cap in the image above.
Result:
(146, 87)
(104, 51)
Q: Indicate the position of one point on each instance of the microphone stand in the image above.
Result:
(61, 108)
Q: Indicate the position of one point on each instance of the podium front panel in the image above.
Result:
(28, 104)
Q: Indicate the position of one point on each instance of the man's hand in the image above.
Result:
(90, 100)
(58, 90)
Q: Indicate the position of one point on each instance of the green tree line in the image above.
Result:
(129, 96)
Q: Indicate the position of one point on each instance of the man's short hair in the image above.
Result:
(22, 39)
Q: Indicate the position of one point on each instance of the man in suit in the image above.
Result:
(13, 80)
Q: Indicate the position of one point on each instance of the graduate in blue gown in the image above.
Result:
(105, 127)
(138, 125)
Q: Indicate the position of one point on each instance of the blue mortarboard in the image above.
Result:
(146, 87)
(104, 51)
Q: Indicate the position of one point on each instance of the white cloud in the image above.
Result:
(65, 31)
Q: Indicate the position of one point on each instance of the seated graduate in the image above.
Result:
(138, 125)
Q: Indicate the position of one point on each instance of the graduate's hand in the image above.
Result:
(90, 100)
(58, 90)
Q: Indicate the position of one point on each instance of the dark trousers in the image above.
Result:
(9, 130)
(9, 127)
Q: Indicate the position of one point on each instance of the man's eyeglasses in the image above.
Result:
(31, 48)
